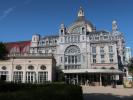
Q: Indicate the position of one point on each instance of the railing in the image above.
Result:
(31, 55)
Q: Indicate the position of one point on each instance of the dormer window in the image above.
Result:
(55, 41)
(61, 32)
(83, 30)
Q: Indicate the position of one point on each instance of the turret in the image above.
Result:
(62, 30)
(35, 40)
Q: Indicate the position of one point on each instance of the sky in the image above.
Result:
(20, 19)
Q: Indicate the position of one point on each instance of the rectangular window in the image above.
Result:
(111, 55)
(75, 38)
(94, 60)
(78, 38)
(4, 75)
(46, 42)
(111, 60)
(66, 67)
(101, 49)
(94, 56)
(102, 56)
(72, 39)
(18, 77)
(72, 59)
(93, 49)
(78, 58)
(75, 59)
(30, 77)
(42, 77)
(68, 39)
(105, 37)
(61, 59)
(110, 48)
(65, 59)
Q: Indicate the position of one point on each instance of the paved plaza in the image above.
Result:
(107, 93)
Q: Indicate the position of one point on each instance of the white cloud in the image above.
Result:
(7, 12)
(10, 10)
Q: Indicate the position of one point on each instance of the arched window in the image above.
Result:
(55, 41)
(83, 30)
(30, 67)
(72, 50)
(43, 67)
(18, 67)
(72, 57)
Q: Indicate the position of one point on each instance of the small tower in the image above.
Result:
(62, 30)
(81, 12)
(35, 40)
(114, 26)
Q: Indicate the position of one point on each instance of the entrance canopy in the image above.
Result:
(111, 71)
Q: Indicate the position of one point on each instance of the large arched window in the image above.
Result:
(72, 57)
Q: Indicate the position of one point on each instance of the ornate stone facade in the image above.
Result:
(81, 46)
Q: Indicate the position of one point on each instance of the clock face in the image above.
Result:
(76, 30)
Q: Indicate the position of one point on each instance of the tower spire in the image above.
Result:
(81, 12)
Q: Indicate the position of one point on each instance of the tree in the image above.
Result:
(59, 74)
(130, 66)
(3, 50)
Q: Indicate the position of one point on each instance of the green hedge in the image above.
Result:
(41, 92)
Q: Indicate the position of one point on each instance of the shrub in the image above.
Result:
(41, 92)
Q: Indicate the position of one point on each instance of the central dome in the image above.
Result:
(81, 22)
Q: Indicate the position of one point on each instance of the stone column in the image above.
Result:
(24, 74)
(100, 80)
(77, 79)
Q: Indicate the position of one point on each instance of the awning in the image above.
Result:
(111, 71)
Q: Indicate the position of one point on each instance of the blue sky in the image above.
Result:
(20, 19)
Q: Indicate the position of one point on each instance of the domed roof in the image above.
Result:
(81, 21)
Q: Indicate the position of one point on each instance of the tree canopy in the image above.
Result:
(3, 50)
(130, 66)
